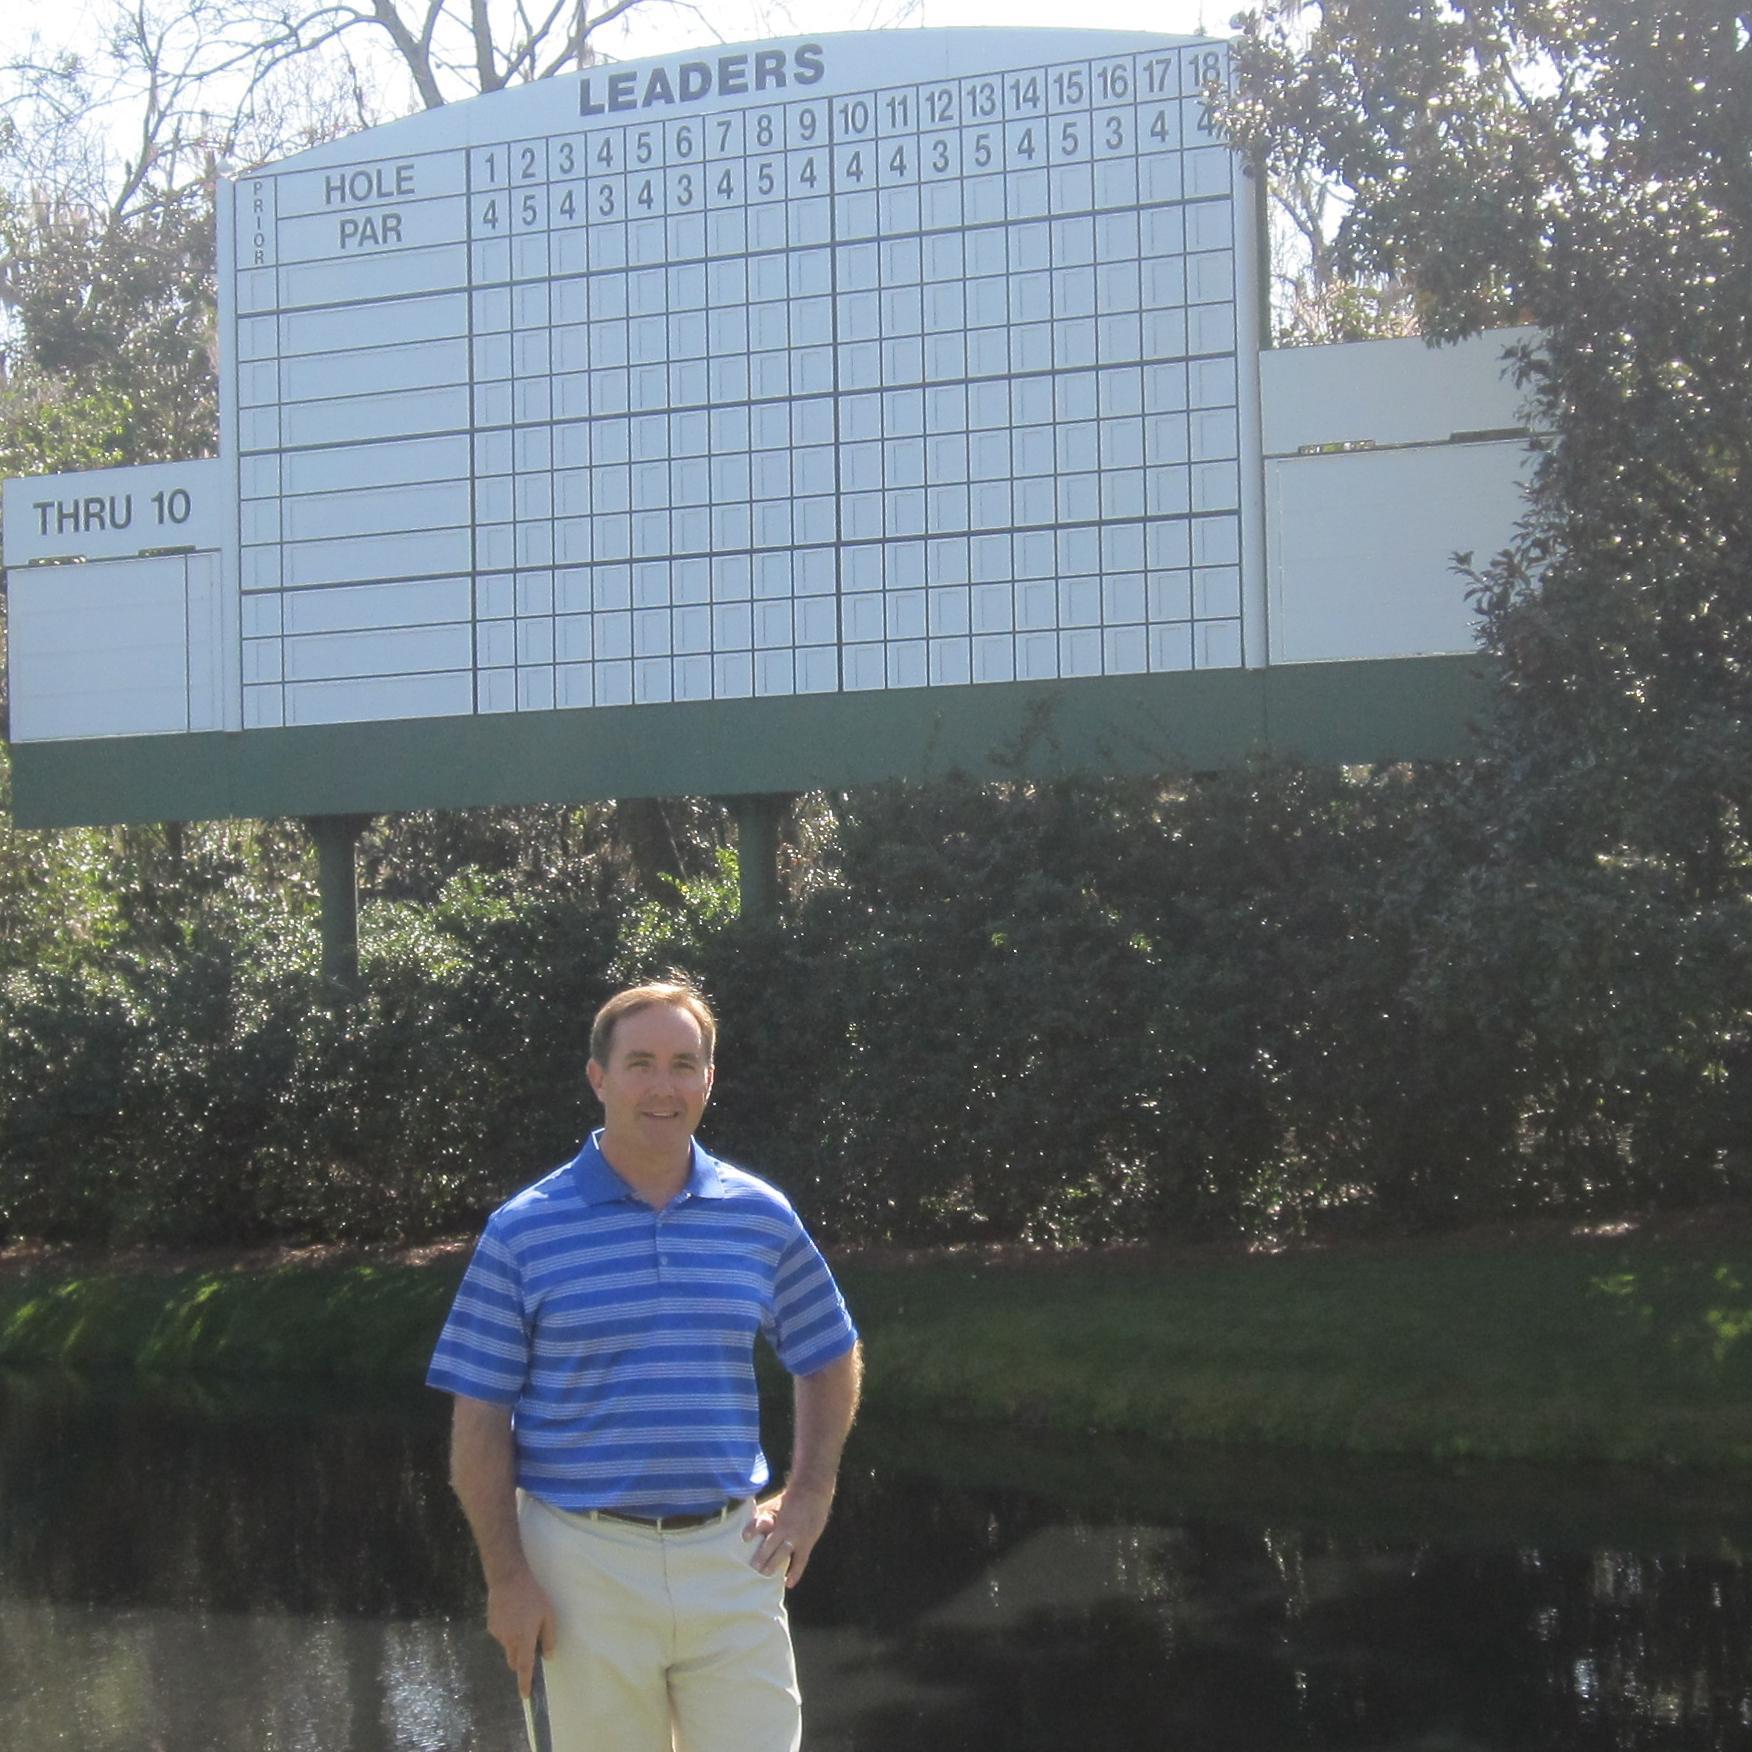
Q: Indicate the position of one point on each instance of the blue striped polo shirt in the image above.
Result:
(623, 1337)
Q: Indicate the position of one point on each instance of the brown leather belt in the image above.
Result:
(667, 1523)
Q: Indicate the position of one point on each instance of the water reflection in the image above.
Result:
(286, 1571)
(163, 1681)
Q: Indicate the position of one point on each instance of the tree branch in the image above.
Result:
(486, 72)
(416, 52)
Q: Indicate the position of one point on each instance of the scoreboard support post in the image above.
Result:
(757, 853)
(337, 878)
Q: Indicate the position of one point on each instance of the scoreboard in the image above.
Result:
(859, 364)
(759, 419)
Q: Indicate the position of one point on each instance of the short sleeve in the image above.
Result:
(483, 1351)
(811, 1325)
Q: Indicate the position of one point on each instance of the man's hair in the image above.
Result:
(680, 993)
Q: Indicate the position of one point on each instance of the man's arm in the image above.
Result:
(483, 1473)
(789, 1524)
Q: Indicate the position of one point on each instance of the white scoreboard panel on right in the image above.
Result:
(901, 360)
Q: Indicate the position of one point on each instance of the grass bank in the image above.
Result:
(1628, 1347)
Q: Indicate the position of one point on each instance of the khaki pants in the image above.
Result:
(663, 1642)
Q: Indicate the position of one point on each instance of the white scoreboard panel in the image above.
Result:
(894, 360)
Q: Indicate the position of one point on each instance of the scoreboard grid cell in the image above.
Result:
(1067, 503)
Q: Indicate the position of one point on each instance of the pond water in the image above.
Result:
(284, 1570)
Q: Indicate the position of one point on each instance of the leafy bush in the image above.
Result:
(1270, 1001)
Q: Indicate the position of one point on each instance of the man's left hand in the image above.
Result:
(786, 1528)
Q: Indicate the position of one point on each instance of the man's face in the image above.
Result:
(653, 1089)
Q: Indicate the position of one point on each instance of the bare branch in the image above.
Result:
(482, 25)
(534, 36)
(416, 52)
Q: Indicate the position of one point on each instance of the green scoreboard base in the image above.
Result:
(1414, 708)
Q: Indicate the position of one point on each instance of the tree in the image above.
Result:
(112, 358)
(444, 49)
(107, 304)
(1583, 168)
(1314, 302)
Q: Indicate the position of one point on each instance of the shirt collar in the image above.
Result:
(598, 1183)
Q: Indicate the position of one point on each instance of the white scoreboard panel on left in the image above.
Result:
(120, 619)
(897, 360)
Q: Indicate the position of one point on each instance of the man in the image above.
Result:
(605, 1442)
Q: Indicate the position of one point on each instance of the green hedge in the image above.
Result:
(1062, 1014)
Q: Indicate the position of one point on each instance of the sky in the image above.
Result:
(664, 25)
(809, 16)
